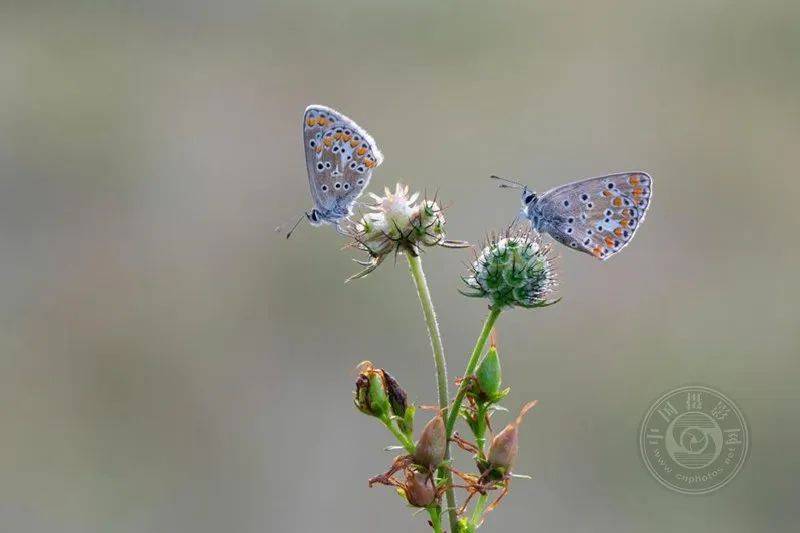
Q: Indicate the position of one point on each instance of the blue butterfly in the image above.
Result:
(598, 216)
(340, 158)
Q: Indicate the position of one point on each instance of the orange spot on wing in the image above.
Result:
(634, 180)
(597, 251)
(618, 232)
(617, 201)
(321, 121)
(609, 242)
(369, 163)
(638, 191)
(361, 151)
(346, 137)
(624, 223)
(328, 141)
(354, 143)
(311, 121)
(318, 149)
(606, 193)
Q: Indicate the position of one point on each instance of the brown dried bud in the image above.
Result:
(398, 399)
(432, 444)
(419, 489)
(505, 445)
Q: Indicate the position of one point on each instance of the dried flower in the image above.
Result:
(505, 445)
(432, 444)
(397, 222)
(513, 270)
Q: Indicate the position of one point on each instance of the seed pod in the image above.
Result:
(419, 489)
(505, 445)
(432, 444)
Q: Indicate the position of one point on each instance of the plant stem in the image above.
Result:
(399, 435)
(477, 513)
(436, 519)
(471, 365)
(418, 275)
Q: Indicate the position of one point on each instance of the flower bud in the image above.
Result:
(419, 488)
(505, 445)
(370, 396)
(515, 270)
(432, 444)
(488, 375)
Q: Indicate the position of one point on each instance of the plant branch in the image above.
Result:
(418, 275)
(494, 313)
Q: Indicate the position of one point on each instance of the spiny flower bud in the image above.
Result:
(419, 489)
(505, 445)
(397, 222)
(513, 270)
(370, 396)
(432, 444)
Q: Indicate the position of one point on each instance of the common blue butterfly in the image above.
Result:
(340, 158)
(598, 216)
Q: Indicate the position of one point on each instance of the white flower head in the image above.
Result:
(398, 222)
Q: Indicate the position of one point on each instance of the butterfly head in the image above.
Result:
(528, 198)
(314, 217)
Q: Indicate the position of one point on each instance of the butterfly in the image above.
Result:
(340, 158)
(598, 216)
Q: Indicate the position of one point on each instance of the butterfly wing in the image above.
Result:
(340, 158)
(598, 216)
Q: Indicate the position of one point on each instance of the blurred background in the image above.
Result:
(169, 363)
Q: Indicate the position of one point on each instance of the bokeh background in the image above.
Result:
(168, 363)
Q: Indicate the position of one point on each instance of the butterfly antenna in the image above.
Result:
(279, 228)
(508, 183)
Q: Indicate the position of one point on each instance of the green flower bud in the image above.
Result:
(370, 397)
(515, 270)
(488, 375)
(432, 444)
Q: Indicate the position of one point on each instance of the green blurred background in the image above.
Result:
(169, 364)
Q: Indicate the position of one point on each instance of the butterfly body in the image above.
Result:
(340, 158)
(598, 216)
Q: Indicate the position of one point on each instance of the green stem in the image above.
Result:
(477, 513)
(415, 266)
(436, 519)
(480, 431)
(399, 435)
(471, 365)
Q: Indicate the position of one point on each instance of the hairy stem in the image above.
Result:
(494, 313)
(415, 266)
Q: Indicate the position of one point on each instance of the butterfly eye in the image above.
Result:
(529, 198)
